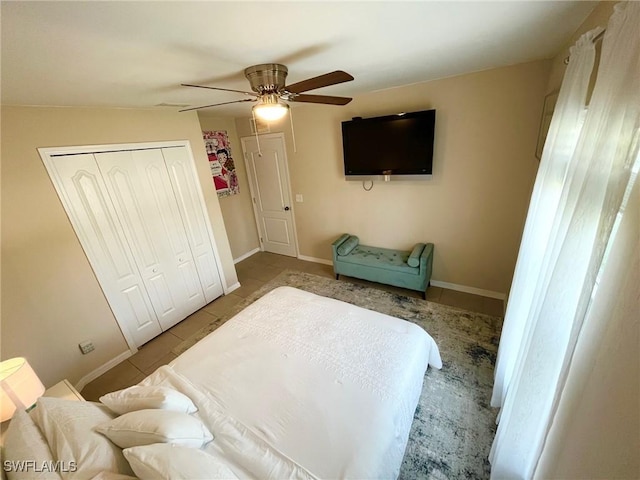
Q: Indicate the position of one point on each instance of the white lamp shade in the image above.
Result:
(270, 108)
(20, 387)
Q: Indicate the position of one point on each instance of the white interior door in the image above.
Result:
(82, 191)
(269, 180)
(143, 197)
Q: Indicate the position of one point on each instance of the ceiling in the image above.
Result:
(136, 54)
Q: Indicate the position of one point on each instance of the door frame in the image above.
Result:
(251, 179)
(48, 154)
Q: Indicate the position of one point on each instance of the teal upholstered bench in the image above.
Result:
(403, 269)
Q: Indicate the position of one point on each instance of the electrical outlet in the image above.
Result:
(299, 198)
(86, 347)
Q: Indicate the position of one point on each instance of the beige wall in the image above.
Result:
(473, 208)
(51, 298)
(236, 209)
(596, 430)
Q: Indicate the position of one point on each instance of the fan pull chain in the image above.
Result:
(255, 130)
(293, 135)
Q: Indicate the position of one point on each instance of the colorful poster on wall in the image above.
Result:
(223, 170)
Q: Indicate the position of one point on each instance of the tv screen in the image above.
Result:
(391, 145)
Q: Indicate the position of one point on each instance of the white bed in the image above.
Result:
(302, 386)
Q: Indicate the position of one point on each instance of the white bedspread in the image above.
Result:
(298, 385)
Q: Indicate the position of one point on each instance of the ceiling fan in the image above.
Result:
(269, 89)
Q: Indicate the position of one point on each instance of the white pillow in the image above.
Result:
(113, 476)
(143, 397)
(144, 427)
(173, 462)
(24, 442)
(68, 427)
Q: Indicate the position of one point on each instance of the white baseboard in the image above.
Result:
(233, 287)
(301, 257)
(246, 255)
(465, 289)
(315, 260)
(102, 369)
(435, 283)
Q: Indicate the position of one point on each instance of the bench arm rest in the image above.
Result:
(334, 246)
(426, 259)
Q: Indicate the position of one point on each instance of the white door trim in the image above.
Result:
(114, 147)
(48, 154)
(265, 136)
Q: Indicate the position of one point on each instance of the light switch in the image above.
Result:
(299, 197)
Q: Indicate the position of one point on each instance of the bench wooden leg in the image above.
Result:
(424, 294)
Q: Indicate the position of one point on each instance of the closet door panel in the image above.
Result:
(208, 271)
(146, 202)
(84, 195)
(188, 195)
(169, 222)
(124, 186)
(170, 227)
(191, 280)
(164, 303)
(122, 189)
(99, 226)
(141, 310)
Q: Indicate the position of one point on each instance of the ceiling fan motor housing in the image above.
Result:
(267, 77)
(268, 81)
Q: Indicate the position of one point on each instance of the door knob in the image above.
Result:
(286, 209)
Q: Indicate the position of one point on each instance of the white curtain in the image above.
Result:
(584, 173)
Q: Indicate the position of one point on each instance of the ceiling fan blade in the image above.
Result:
(218, 104)
(253, 94)
(326, 99)
(325, 80)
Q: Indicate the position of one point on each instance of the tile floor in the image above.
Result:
(253, 273)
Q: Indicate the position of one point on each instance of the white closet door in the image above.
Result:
(84, 195)
(145, 202)
(188, 195)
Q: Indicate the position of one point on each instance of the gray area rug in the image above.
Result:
(454, 425)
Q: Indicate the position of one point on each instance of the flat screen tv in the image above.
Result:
(394, 146)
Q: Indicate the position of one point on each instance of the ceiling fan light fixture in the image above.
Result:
(270, 109)
(269, 89)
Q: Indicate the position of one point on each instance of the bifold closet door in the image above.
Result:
(82, 190)
(144, 200)
(187, 193)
